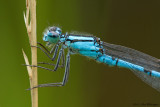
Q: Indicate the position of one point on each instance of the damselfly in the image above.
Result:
(144, 66)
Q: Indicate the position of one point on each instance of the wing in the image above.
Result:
(132, 56)
(138, 58)
(150, 80)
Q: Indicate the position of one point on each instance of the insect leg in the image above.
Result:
(49, 52)
(55, 52)
(59, 57)
(39, 67)
(61, 53)
(65, 78)
(46, 52)
(63, 61)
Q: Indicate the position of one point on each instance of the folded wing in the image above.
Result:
(138, 58)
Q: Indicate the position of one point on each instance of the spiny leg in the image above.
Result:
(55, 52)
(49, 52)
(40, 67)
(56, 65)
(47, 85)
(50, 64)
(63, 61)
(58, 60)
(46, 52)
(65, 78)
(44, 47)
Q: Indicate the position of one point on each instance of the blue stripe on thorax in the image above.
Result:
(80, 38)
(80, 45)
(88, 47)
(84, 46)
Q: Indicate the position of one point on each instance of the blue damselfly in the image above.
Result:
(144, 66)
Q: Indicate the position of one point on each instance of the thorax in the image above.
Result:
(84, 45)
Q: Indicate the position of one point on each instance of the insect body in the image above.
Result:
(144, 66)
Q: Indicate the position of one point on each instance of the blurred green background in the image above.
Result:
(132, 23)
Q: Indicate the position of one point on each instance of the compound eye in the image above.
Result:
(59, 31)
(52, 29)
(45, 37)
(53, 34)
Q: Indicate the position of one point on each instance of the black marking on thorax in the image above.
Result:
(78, 40)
